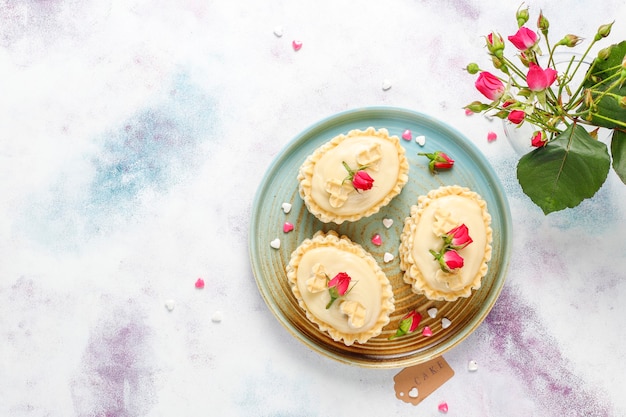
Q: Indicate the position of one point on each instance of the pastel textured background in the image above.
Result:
(133, 136)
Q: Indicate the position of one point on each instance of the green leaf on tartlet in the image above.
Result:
(618, 152)
(564, 172)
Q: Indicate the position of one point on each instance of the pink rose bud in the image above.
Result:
(408, 324)
(438, 160)
(362, 181)
(489, 85)
(458, 238)
(539, 79)
(452, 260)
(538, 139)
(524, 39)
(337, 287)
(516, 116)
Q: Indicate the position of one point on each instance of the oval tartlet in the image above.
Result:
(322, 176)
(437, 213)
(364, 310)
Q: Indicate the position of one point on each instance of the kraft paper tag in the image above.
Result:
(415, 383)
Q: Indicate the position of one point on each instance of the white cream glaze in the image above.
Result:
(386, 164)
(369, 287)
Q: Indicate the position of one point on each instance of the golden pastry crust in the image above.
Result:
(437, 213)
(364, 310)
(321, 177)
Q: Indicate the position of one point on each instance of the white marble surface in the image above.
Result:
(133, 135)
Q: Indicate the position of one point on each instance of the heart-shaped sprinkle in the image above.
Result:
(216, 317)
(472, 366)
(491, 136)
(386, 85)
(407, 135)
(387, 223)
(432, 312)
(275, 243)
(355, 312)
(443, 407)
(199, 283)
(414, 393)
(427, 332)
(445, 323)
(297, 45)
(278, 31)
(388, 257)
(286, 207)
(287, 227)
(170, 304)
(377, 240)
(420, 140)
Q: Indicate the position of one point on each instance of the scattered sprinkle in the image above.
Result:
(432, 312)
(445, 323)
(388, 257)
(170, 304)
(407, 135)
(199, 283)
(287, 227)
(472, 366)
(377, 240)
(216, 317)
(297, 45)
(427, 332)
(278, 31)
(387, 223)
(275, 243)
(491, 136)
(443, 407)
(421, 140)
(286, 207)
(468, 112)
(386, 85)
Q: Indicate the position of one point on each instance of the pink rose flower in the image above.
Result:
(539, 139)
(458, 238)
(337, 287)
(538, 79)
(524, 39)
(438, 160)
(362, 181)
(489, 85)
(516, 116)
(408, 324)
(452, 260)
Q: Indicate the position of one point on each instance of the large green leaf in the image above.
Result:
(569, 169)
(618, 152)
(603, 75)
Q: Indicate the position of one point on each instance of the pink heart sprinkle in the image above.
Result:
(407, 135)
(200, 283)
(377, 240)
(287, 227)
(491, 136)
(427, 332)
(443, 407)
(296, 45)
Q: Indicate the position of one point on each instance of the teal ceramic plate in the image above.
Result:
(279, 186)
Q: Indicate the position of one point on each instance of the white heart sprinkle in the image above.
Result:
(472, 366)
(432, 312)
(386, 85)
(170, 304)
(286, 207)
(216, 317)
(421, 140)
(278, 31)
(445, 323)
(388, 257)
(275, 243)
(414, 393)
(387, 223)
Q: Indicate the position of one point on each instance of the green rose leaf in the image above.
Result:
(602, 81)
(618, 151)
(564, 172)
